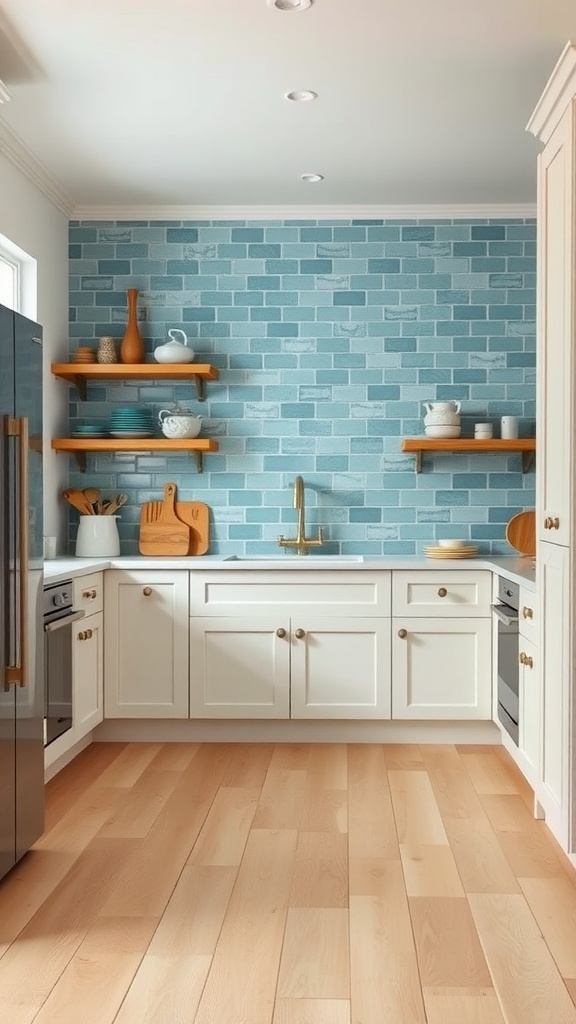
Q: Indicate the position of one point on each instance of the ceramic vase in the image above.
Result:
(106, 350)
(132, 346)
(97, 536)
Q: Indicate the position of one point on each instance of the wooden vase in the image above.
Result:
(132, 346)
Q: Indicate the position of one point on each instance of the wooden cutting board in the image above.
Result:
(196, 515)
(161, 531)
(521, 532)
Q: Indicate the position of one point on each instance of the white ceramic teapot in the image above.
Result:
(174, 351)
(179, 423)
(438, 413)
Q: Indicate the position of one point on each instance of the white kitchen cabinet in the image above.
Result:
(529, 718)
(146, 649)
(87, 674)
(308, 667)
(441, 668)
(441, 644)
(554, 123)
(283, 644)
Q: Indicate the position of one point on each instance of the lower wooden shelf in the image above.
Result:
(78, 447)
(525, 445)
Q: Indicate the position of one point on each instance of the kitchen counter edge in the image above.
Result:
(517, 570)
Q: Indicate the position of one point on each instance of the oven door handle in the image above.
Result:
(499, 612)
(51, 627)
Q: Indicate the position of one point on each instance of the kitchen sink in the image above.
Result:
(294, 561)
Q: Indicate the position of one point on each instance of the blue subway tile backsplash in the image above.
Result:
(329, 336)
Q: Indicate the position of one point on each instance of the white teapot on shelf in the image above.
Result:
(179, 423)
(174, 351)
(442, 413)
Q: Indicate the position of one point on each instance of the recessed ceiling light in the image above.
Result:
(311, 179)
(301, 95)
(290, 5)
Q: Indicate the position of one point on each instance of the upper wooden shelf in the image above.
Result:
(79, 373)
(419, 445)
(196, 446)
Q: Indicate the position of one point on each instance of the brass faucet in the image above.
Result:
(300, 542)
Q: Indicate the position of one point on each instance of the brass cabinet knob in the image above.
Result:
(281, 633)
(81, 636)
(300, 634)
(442, 592)
(555, 524)
(528, 661)
(548, 523)
(88, 634)
(527, 613)
(402, 633)
(147, 591)
(552, 523)
(522, 658)
(89, 595)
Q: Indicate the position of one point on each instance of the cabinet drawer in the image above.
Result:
(89, 593)
(527, 615)
(430, 592)
(259, 593)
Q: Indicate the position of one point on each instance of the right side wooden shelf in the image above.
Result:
(419, 445)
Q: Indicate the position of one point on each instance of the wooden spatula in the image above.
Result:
(166, 534)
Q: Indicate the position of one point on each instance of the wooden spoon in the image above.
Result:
(92, 495)
(75, 497)
(116, 503)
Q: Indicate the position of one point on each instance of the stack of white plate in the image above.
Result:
(131, 421)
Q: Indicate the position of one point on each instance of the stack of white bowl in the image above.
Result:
(442, 419)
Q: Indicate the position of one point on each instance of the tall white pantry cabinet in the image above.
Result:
(554, 124)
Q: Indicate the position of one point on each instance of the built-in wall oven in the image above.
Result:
(506, 615)
(59, 615)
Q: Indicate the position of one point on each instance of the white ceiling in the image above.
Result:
(181, 103)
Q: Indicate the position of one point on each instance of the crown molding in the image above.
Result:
(461, 211)
(559, 91)
(23, 158)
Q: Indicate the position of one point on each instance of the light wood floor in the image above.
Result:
(289, 884)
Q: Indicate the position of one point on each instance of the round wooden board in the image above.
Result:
(521, 532)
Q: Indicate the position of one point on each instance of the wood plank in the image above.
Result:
(241, 983)
(416, 812)
(553, 904)
(371, 825)
(524, 840)
(192, 921)
(320, 870)
(142, 805)
(463, 1006)
(165, 990)
(248, 764)
(315, 960)
(35, 961)
(145, 885)
(93, 986)
(480, 860)
(487, 773)
(430, 871)
(281, 799)
(127, 768)
(174, 757)
(451, 783)
(403, 757)
(63, 790)
(384, 980)
(224, 833)
(524, 974)
(447, 946)
(325, 806)
(311, 1011)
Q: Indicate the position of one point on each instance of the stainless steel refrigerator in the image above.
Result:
(21, 584)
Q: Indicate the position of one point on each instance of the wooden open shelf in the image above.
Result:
(79, 373)
(78, 447)
(419, 445)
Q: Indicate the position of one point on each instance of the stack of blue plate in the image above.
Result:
(131, 421)
(87, 430)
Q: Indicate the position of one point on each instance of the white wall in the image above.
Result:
(31, 221)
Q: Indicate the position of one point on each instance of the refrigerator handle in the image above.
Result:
(18, 428)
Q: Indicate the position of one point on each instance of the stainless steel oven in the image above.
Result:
(58, 618)
(506, 614)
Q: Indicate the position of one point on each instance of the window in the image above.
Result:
(9, 282)
(18, 274)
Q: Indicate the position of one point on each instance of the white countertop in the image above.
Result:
(518, 570)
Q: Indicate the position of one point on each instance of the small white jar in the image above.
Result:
(483, 431)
